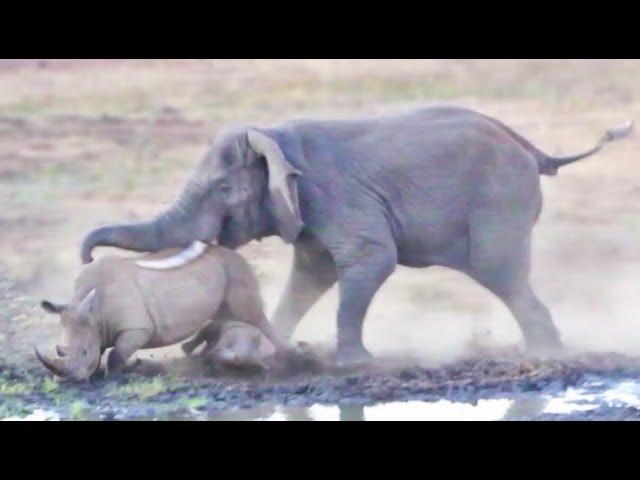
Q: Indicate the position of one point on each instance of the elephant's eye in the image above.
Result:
(224, 188)
(85, 353)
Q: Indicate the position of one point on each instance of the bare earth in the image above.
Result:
(83, 143)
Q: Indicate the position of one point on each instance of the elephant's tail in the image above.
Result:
(549, 165)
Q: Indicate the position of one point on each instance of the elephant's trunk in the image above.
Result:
(179, 226)
(139, 237)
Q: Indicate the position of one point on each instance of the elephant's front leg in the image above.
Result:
(312, 274)
(360, 277)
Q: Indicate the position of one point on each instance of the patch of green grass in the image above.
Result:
(29, 383)
(141, 389)
(26, 106)
(12, 408)
(394, 89)
(61, 395)
(128, 101)
(79, 410)
(49, 385)
(29, 195)
(15, 388)
(194, 403)
(313, 94)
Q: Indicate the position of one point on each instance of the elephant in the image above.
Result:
(438, 185)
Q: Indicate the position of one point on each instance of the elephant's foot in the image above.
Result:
(287, 354)
(350, 357)
(547, 344)
(293, 357)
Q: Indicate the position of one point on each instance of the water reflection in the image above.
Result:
(298, 415)
(589, 396)
(351, 413)
(519, 407)
(526, 407)
(495, 409)
(393, 411)
(36, 415)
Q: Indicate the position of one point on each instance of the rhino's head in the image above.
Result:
(79, 348)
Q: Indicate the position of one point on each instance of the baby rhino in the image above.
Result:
(233, 344)
(118, 303)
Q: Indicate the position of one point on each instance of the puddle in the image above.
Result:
(591, 395)
(36, 415)
(526, 406)
(443, 410)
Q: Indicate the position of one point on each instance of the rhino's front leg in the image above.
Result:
(127, 343)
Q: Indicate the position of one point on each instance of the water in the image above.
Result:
(398, 411)
(442, 410)
(36, 415)
(590, 395)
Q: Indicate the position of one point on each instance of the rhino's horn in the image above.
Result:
(55, 365)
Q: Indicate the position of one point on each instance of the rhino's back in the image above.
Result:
(182, 300)
(176, 303)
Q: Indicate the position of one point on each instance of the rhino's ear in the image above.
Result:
(51, 307)
(86, 305)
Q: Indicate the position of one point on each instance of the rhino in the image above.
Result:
(234, 344)
(121, 303)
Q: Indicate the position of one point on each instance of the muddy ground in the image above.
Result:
(87, 143)
(190, 389)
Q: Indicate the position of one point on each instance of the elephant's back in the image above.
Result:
(438, 139)
(346, 128)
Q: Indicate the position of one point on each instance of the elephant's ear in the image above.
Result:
(283, 185)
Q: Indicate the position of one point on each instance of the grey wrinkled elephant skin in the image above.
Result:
(436, 186)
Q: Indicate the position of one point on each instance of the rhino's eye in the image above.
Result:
(85, 353)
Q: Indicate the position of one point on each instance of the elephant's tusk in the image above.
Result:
(186, 256)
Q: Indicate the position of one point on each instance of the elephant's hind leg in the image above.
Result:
(500, 262)
(540, 333)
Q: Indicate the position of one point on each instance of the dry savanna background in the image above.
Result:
(89, 142)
